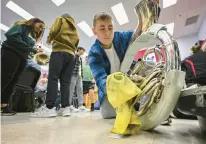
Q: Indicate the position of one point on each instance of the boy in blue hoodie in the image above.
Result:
(107, 54)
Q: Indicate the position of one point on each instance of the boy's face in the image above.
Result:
(104, 30)
(81, 52)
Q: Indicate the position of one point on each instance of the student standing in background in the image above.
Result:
(15, 50)
(76, 81)
(88, 83)
(64, 39)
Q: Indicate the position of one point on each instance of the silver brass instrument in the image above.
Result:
(161, 82)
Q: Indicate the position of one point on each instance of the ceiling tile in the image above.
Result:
(190, 29)
(193, 12)
(179, 24)
(167, 15)
(181, 6)
(203, 2)
(85, 11)
(193, 4)
(201, 18)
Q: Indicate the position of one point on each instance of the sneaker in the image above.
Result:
(73, 109)
(65, 111)
(97, 108)
(83, 108)
(92, 108)
(6, 111)
(44, 112)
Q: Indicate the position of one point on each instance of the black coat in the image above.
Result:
(198, 75)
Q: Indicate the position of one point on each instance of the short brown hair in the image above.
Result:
(80, 48)
(101, 16)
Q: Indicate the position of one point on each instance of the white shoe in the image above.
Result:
(83, 108)
(65, 111)
(73, 109)
(44, 112)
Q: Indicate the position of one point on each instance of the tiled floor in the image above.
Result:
(90, 128)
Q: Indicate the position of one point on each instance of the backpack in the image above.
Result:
(24, 101)
(195, 68)
(23, 98)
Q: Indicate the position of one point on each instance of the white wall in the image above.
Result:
(185, 43)
(202, 31)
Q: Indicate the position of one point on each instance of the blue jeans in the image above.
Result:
(33, 64)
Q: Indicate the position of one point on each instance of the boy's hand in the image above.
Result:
(49, 41)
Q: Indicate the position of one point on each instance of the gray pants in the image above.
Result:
(107, 111)
(76, 84)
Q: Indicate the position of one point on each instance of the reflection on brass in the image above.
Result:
(149, 13)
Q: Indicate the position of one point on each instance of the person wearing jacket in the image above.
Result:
(195, 65)
(76, 86)
(64, 39)
(88, 83)
(19, 43)
(107, 54)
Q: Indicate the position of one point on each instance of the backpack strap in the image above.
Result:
(192, 66)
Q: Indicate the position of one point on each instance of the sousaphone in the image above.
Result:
(161, 82)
